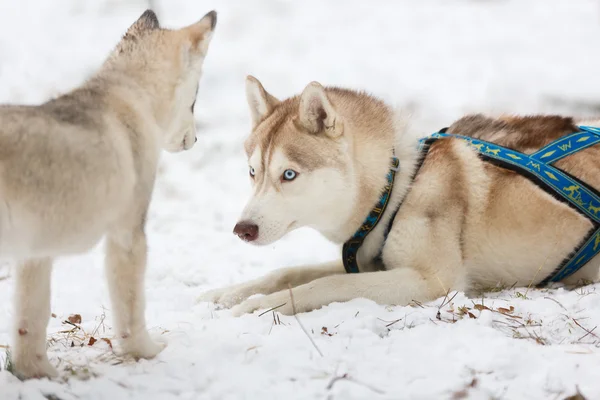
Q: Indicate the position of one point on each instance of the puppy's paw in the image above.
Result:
(33, 366)
(141, 346)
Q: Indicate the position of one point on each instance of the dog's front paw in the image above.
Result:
(141, 346)
(225, 298)
(277, 301)
(33, 367)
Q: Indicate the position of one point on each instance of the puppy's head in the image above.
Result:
(168, 63)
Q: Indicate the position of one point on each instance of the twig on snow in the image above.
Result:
(300, 323)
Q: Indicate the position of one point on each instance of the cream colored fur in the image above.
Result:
(463, 225)
(83, 165)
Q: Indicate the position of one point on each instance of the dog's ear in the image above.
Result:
(316, 113)
(261, 103)
(146, 22)
(201, 32)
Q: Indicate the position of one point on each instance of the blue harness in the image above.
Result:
(538, 167)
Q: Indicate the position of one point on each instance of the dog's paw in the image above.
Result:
(34, 367)
(247, 307)
(141, 346)
(280, 303)
(211, 296)
(224, 298)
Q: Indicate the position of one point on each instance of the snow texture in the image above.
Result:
(441, 58)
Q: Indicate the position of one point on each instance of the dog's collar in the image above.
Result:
(350, 248)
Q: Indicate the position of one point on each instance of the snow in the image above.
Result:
(441, 57)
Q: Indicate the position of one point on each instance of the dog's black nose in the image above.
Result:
(195, 139)
(246, 230)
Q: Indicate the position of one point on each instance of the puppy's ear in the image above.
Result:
(201, 32)
(146, 22)
(316, 113)
(261, 103)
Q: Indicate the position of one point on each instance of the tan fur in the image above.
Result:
(464, 224)
(83, 165)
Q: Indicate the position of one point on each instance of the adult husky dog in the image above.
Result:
(460, 223)
(83, 165)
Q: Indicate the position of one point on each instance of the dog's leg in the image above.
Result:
(398, 287)
(32, 312)
(271, 283)
(125, 270)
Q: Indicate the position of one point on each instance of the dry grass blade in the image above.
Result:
(271, 309)
(588, 331)
(447, 300)
(345, 377)
(556, 301)
(300, 323)
(390, 323)
(417, 303)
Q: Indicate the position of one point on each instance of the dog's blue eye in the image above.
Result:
(289, 175)
(252, 172)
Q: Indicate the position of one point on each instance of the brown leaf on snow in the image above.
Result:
(74, 318)
(506, 310)
(324, 331)
(107, 341)
(91, 341)
(480, 307)
(471, 315)
(53, 315)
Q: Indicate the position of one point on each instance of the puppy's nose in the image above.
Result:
(247, 231)
(195, 139)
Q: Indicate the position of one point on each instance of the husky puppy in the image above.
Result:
(82, 166)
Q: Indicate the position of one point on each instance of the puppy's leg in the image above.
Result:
(125, 270)
(271, 283)
(398, 287)
(32, 312)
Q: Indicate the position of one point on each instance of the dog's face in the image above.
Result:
(169, 63)
(298, 164)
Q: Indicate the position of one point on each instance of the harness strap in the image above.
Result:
(562, 185)
(568, 145)
(536, 167)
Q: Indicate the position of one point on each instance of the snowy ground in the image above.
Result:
(444, 57)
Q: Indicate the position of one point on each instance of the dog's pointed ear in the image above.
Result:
(316, 113)
(201, 32)
(261, 103)
(146, 22)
